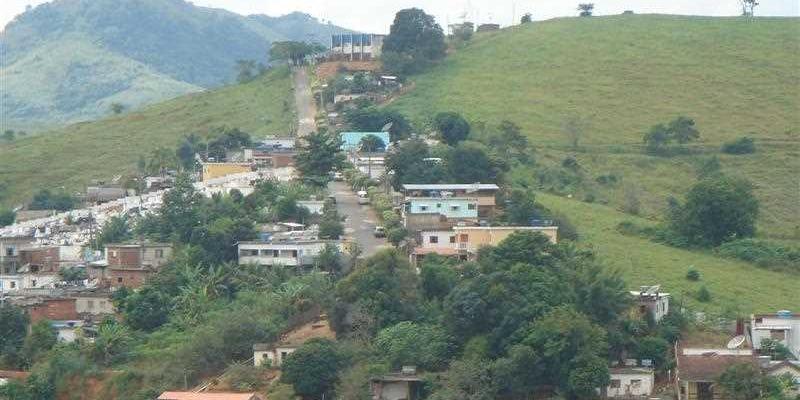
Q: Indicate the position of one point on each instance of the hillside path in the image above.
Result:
(304, 102)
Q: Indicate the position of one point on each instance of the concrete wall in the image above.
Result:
(627, 386)
(217, 170)
(288, 254)
(447, 207)
(473, 238)
(770, 326)
(94, 305)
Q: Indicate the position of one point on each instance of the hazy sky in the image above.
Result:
(376, 15)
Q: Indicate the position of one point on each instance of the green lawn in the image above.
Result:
(736, 287)
(72, 156)
(625, 74)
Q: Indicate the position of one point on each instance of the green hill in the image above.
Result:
(69, 60)
(72, 156)
(624, 74)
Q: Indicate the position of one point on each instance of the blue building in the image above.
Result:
(352, 140)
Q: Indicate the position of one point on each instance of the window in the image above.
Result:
(434, 239)
(113, 253)
(777, 335)
(276, 253)
(119, 280)
(471, 206)
(636, 383)
(454, 208)
(13, 284)
(452, 239)
(423, 208)
(10, 251)
(159, 253)
(438, 205)
(294, 253)
(33, 283)
(615, 384)
(90, 304)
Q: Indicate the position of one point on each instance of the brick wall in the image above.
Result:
(54, 310)
(127, 278)
(124, 256)
(46, 258)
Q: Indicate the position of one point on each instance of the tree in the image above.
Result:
(411, 162)
(41, 339)
(653, 348)
(44, 199)
(526, 18)
(775, 349)
(471, 162)
(586, 9)
(73, 274)
(7, 217)
(117, 108)
(115, 230)
(246, 70)
(717, 209)
(703, 294)
(467, 380)
(741, 382)
(452, 127)
(112, 343)
(464, 31)
(179, 214)
(510, 143)
(330, 260)
(313, 368)
(146, 309)
(437, 278)
(318, 155)
(294, 52)
(681, 130)
(12, 332)
(8, 135)
(371, 144)
(331, 226)
(743, 145)
(373, 119)
(416, 36)
(521, 207)
(400, 345)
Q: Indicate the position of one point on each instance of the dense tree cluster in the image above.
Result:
(415, 42)
(319, 154)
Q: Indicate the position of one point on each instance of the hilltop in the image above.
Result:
(625, 74)
(70, 157)
(69, 60)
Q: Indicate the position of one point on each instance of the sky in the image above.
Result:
(376, 16)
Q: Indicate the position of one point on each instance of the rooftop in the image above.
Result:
(631, 370)
(706, 365)
(456, 186)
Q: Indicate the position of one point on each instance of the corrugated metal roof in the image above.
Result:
(458, 186)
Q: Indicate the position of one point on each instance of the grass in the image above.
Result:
(626, 73)
(72, 156)
(735, 286)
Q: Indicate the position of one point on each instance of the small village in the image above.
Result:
(66, 268)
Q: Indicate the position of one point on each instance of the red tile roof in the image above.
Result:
(708, 367)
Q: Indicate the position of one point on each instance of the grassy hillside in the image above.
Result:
(736, 288)
(72, 156)
(625, 74)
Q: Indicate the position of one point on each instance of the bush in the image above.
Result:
(762, 253)
(693, 274)
(703, 295)
(743, 145)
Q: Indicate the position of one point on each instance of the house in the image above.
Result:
(650, 301)
(93, 303)
(276, 353)
(485, 194)
(697, 370)
(351, 141)
(278, 143)
(130, 265)
(464, 242)
(213, 170)
(438, 213)
(356, 46)
(783, 368)
(53, 309)
(488, 27)
(630, 382)
(371, 164)
(50, 259)
(405, 385)
(782, 326)
(104, 194)
(25, 280)
(270, 158)
(288, 253)
(9, 252)
(209, 396)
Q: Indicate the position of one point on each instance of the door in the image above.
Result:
(705, 391)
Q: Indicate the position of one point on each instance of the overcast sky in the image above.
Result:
(376, 16)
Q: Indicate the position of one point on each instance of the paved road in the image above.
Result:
(361, 220)
(304, 102)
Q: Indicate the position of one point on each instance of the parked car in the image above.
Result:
(362, 197)
(338, 176)
(380, 232)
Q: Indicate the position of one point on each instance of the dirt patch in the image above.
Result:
(327, 70)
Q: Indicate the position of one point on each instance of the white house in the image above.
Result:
(275, 355)
(11, 283)
(782, 326)
(630, 382)
(287, 253)
(313, 206)
(650, 300)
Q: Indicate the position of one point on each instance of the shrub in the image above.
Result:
(743, 145)
(609, 179)
(693, 274)
(762, 253)
(703, 295)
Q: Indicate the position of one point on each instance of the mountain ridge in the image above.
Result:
(174, 45)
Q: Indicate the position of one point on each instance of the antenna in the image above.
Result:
(736, 342)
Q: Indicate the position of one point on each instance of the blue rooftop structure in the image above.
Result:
(351, 140)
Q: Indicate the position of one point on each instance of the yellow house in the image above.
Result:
(472, 238)
(218, 170)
